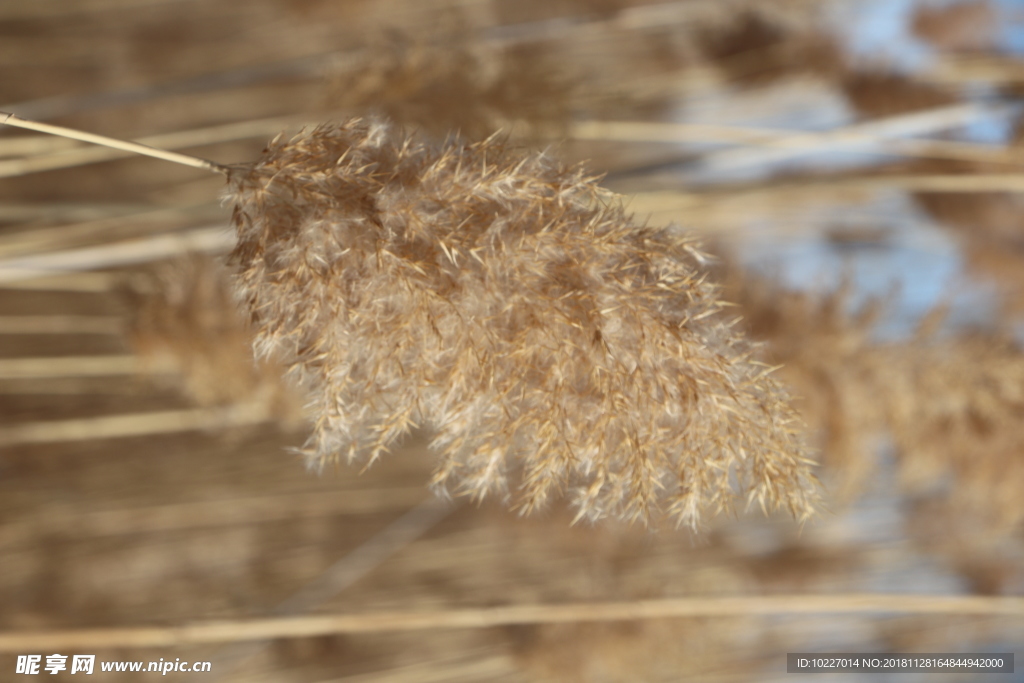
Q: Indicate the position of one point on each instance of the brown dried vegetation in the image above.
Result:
(877, 94)
(184, 316)
(115, 531)
(953, 407)
(752, 50)
(820, 347)
(990, 227)
(969, 25)
(512, 307)
(454, 84)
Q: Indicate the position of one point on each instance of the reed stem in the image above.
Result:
(127, 425)
(212, 239)
(114, 143)
(228, 631)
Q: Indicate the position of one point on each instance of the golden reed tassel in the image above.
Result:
(512, 307)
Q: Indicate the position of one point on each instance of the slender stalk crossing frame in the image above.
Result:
(233, 631)
(195, 162)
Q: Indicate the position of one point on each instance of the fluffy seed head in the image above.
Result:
(184, 317)
(511, 307)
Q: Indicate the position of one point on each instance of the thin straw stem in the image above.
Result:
(196, 137)
(114, 143)
(202, 514)
(60, 324)
(658, 201)
(790, 142)
(212, 239)
(69, 282)
(488, 617)
(139, 224)
(127, 425)
(67, 366)
(355, 565)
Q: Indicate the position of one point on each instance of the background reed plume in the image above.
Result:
(509, 305)
(184, 317)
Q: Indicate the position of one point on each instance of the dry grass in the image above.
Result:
(1003, 266)
(955, 409)
(990, 228)
(298, 627)
(105, 530)
(508, 304)
(821, 348)
(966, 25)
(451, 84)
(184, 317)
(754, 49)
(953, 406)
(879, 93)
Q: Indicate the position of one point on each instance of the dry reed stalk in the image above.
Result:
(489, 617)
(108, 148)
(963, 184)
(68, 366)
(783, 147)
(214, 239)
(72, 282)
(983, 220)
(156, 146)
(955, 183)
(511, 306)
(728, 212)
(70, 386)
(957, 151)
(856, 134)
(462, 670)
(32, 145)
(624, 652)
(972, 69)
(103, 230)
(350, 569)
(60, 324)
(79, 211)
(990, 229)
(126, 426)
(669, 132)
(156, 519)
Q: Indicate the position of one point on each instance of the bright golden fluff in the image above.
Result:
(511, 307)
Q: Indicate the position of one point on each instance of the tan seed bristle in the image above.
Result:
(512, 307)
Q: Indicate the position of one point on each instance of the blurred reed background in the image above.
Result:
(854, 165)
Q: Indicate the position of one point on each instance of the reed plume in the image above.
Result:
(184, 316)
(951, 405)
(877, 94)
(453, 83)
(970, 26)
(754, 48)
(512, 307)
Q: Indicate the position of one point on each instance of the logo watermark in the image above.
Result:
(34, 665)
